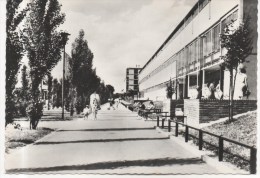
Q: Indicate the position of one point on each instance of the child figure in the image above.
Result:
(86, 112)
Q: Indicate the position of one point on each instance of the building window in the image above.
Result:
(131, 71)
(131, 77)
(131, 82)
(216, 38)
(131, 87)
(207, 44)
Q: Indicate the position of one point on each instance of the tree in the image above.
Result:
(170, 89)
(57, 93)
(43, 44)
(238, 43)
(110, 89)
(25, 85)
(104, 92)
(50, 78)
(14, 53)
(83, 77)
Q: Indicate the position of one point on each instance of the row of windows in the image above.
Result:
(132, 82)
(132, 77)
(200, 48)
(132, 87)
(132, 71)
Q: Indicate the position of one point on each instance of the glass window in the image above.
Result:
(216, 39)
(131, 71)
(131, 82)
(131, 77)
(193, 80)
(207, 44)
(131, 87)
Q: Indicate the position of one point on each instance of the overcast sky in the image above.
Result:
(121, 33)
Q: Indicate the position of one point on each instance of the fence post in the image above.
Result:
(186, 134)
(176, 129)
(158, 121)
(253, 160)
(220, 149)
(163, 123)
(200, 139)
(169, 125)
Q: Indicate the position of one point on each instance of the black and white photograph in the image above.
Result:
(129, 88)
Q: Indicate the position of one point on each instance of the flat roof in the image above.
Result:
(174, 31)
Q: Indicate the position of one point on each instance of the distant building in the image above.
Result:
(190, 55)
(132, 79)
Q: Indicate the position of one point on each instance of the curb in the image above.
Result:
(223, 167)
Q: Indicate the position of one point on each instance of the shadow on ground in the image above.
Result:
(113, 165)
(101, 140)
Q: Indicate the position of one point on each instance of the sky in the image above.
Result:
(121, 33)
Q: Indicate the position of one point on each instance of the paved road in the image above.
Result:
(117, 143)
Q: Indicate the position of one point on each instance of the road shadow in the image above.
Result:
(107, 129)
(113, 165)
(100, 140)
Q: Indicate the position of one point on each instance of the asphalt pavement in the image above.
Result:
(118, 142)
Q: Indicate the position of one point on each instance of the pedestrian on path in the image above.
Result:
(86, 112)
(94, 104)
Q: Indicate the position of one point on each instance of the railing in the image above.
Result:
(253, 150)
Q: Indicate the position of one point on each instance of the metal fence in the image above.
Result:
(221, 139)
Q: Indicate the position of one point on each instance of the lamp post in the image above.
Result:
(64, 37)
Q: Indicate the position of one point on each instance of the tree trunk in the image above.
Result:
(230, 95)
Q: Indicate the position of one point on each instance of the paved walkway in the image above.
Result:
(117, 143)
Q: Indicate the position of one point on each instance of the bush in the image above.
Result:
(21, 108)
(34, 112)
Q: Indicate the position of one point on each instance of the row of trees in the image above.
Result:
(40, 41)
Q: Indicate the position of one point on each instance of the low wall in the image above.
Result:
(192, 111)
(202, 111)
(169, 105)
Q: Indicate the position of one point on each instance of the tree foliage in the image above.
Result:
(25, 84)
(43, 44)
(170, 89)
(57, 93)
(83, 78)
(14, 52)
(110, 89)
(238, 45)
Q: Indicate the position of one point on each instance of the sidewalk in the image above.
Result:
(118, 142)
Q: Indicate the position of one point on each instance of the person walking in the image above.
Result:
(86, 112)
(94, 104)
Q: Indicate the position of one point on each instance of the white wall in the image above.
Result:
(207, 17)
(197, 26)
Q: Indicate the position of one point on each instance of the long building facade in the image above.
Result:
(191, 55)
